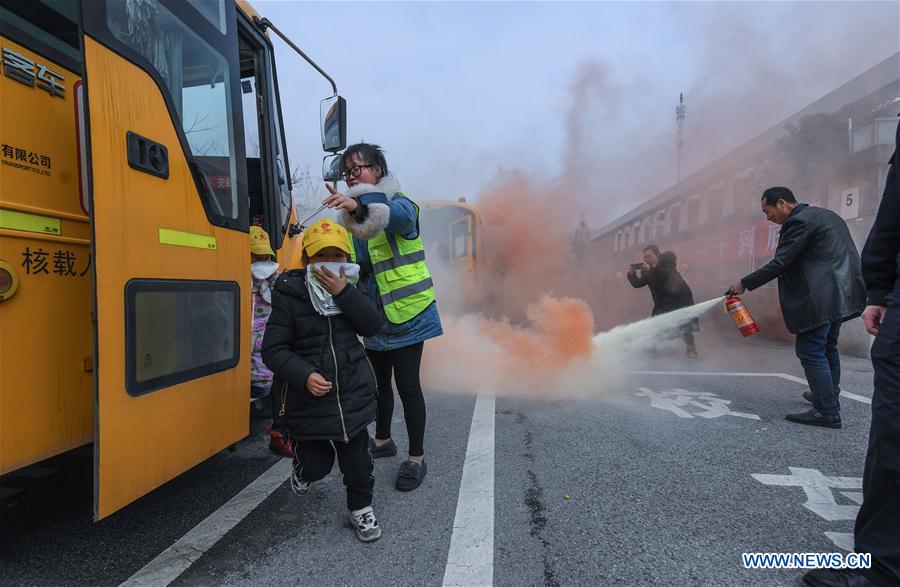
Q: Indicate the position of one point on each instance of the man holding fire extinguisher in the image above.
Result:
(820, 286)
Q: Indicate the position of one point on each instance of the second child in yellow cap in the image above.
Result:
(259, 242)
(264, 273)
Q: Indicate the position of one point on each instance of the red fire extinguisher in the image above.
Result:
(741, 316)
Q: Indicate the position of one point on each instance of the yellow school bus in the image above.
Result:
(139, 141)
(452, 235)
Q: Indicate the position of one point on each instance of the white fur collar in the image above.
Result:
(388, 186)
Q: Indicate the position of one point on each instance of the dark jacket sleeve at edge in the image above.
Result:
(880, 255)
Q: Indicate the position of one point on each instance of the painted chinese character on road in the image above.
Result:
(690, 404)
(820, 498)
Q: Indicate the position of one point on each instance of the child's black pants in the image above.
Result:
(314, 459)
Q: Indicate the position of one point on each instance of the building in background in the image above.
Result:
(834, 153)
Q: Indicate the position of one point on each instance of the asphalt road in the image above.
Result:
(656, 479)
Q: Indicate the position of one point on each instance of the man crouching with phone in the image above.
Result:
(659, 272)
(650, 255)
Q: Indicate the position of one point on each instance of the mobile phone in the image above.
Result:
(637, 266)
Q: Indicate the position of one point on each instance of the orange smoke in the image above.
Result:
(534, 325)
(561, 331)
(529, 221)
(526, 237)
(494, 356)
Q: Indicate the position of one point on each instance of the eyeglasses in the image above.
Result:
(353, 172)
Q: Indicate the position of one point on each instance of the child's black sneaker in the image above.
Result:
(298, 485)
(367, 528)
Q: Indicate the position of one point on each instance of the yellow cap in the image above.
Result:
(325, 233)
(259, 241)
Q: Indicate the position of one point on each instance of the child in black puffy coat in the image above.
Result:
(323, 381)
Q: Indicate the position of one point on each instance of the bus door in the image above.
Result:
(169, 218)
(268, 177)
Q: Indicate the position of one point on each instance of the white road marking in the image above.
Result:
(470, 561)
(847, 394)
(843, 540)
(820, 500)
(176, 559)
(819, 491)
(673, 400)
(854, 496)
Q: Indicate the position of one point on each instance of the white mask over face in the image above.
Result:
(322, 300)
(261, 272)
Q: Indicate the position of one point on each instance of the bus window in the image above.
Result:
(281, 162)
(267, 178)
(282, 172)
(251, 101)
(199, 84)
(459, 235)
(179, 330)
(212, 11)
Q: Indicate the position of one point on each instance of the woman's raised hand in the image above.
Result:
(339, 201)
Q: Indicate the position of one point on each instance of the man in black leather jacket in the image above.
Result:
(820, 286)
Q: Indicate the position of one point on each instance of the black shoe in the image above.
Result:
(411, 475)
(837, 578)
(814, 418)
(807, 395)
(388, 449)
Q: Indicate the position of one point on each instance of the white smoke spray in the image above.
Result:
(646, 333)
(555, 356)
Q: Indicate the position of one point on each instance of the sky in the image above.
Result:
(461, 94)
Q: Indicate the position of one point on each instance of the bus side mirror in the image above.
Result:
(331, 168)
(333, 112)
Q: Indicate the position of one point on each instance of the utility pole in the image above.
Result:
(679, 120)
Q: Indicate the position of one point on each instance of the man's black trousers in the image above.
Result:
(878, 522)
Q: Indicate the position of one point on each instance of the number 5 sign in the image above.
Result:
(849, 203)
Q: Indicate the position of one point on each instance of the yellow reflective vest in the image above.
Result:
(404, 283)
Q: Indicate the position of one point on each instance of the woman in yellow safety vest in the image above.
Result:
(387, 245)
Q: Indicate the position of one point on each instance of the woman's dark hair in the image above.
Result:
(371, 154)
(653, 249)
(772, 195)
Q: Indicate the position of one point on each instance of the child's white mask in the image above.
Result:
(321, 299)
(261, 272)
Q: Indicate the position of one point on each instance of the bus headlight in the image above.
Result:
(9, 281)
